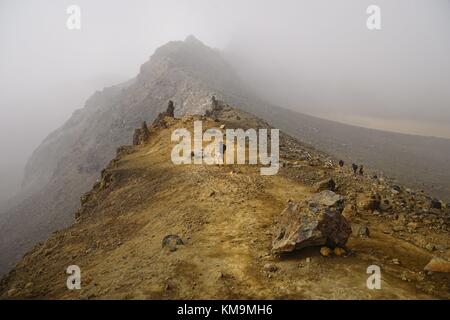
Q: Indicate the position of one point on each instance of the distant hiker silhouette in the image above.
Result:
(220, 153)
(354, 167)
(361, 170)
(214, 102)
(341, 163)
(170, 109)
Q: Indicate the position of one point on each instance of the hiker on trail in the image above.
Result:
(170, 109)
(361, 170)
(214, 101)
(355, 168)
(220, 153)
(341, 163)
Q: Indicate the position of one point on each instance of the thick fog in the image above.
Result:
(314, 56)
(321, 58)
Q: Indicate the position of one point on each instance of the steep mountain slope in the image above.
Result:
(69, 161)
(224, 216)
(187, 72)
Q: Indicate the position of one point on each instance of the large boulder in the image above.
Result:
(317, 221)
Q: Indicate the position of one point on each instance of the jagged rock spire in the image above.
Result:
(141, 135)
(170, 112)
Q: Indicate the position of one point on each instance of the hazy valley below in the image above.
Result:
(406, 126)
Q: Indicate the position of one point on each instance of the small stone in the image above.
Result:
(325, 251)
(308, 260)
(368, 202)
(327, 184)
(396, 261)
(398, 228)
(412, 225)
(339, 251)
(171, 242)
(359, 230)
(328, 164)
(349, 211)
(28, 285)
(435, 204)
(270, 267)
(12, 292)
(438, 265)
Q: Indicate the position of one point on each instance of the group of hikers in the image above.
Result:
(355, 167)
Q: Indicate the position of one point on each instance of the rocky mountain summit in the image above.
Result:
(149, 229)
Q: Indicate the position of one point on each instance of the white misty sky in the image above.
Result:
(315, 56)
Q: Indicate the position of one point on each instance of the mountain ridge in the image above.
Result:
(224, 218)
(187, 72)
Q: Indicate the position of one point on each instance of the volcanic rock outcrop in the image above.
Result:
(315, 222)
